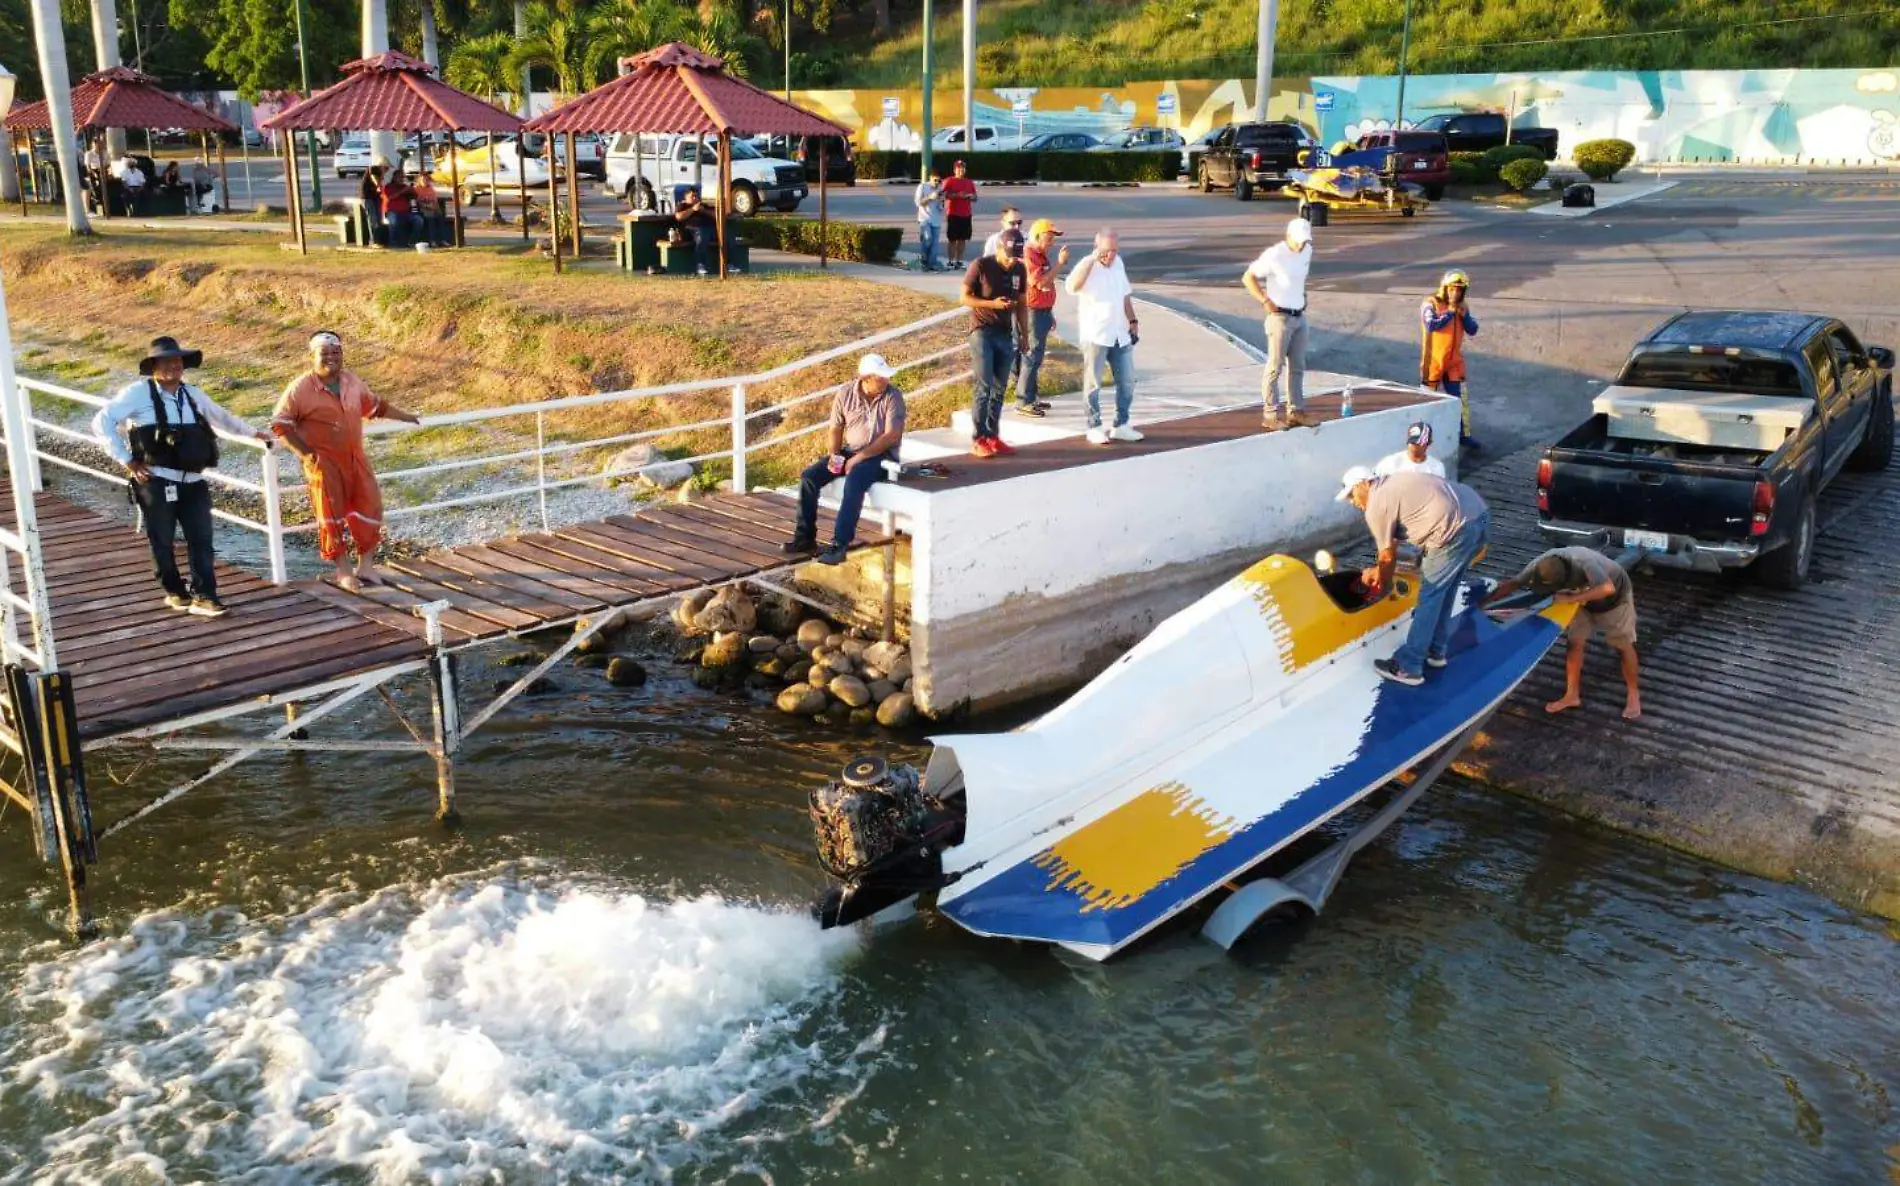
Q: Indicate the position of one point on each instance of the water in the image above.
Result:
(608, 976)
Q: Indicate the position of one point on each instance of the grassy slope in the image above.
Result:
(1106, 42)
(475, 329)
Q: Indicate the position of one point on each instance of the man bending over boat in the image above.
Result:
(1601, 587)
(1447, 522)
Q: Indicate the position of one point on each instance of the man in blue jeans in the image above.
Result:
(1040, 259)
(996, 292)
(867, 426)
(1447, 522)
(1108, 328)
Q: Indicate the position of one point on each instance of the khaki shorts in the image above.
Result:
(1618, 625)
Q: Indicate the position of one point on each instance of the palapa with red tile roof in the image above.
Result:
(680, 90)
(392, 92)
(121, 98)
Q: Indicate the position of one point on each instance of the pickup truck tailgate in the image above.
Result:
(1708, 502)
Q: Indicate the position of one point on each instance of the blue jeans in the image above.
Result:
(857, 480)
(1041, 321)
(929, 234)
(991, 352)
(404, 229)
(1439, 574)
(1121, 364)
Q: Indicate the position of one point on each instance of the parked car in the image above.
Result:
(1475, 131)
(1418, 157)
(669, 161)
(352, 157)
(590, 156)
(1062, 142)
(839, 165)
(1144, 140)
(989, 138)
(510, 172)
(1716, 441)
(1246, 157)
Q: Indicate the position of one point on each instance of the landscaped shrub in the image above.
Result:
(1476, 165)
(846, 240)
(1496, 158)
(875, 164)
(1108, 166)
(1520, 175)
(1028, 166)
(1602, 160)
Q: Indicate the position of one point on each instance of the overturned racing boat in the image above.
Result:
(1237, 727)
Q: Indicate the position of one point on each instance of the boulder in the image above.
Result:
(623, 672)
(840, 663)
(851, 690)
(686, 613)
(812, 634)
(629, 461)
(802, 700)
(908, 686)
(690, 494)
(819, 677)
(789, 652)
(762, 644)
(664, 475)
(725, 650)
(884, 654)
(854, 647)
(863, 716)
(798, 671)
(824, 718)
(709, 678)
(729, 609)
(899, 672)
(541, 687)
(755, 682)
(897, 711)
(770, 665)
(598, 642)
(779, 614)
(881, 690)
(834, 640)
(593, 662)
(520, 659)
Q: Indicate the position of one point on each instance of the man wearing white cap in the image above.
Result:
(1447, 522)
(1278, 281)
(1415, 457)
(867, 426)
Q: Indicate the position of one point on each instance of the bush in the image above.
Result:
(1468, 172)
(1108, 166)
(1521, 174)
(846, 240)
(1602, 160)
(1476, 166)
(875, 164)
(1496, 158)
(1028, 166)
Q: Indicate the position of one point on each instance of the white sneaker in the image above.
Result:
(1123, 432)
(1098, 436)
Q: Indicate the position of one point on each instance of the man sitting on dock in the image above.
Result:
(1600, 587)
(1414, 458)
(1447, 522)
(320, 416)
(867, 426)
(167, 424)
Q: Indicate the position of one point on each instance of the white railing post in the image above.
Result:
(541, 462)
(33, 443)
(274, 518)
(738, 439)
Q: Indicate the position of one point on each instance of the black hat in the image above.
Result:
(1554, 574)
(166, 347)
(1012, 239)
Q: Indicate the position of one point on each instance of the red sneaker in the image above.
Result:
(981, 447)
(999, 449)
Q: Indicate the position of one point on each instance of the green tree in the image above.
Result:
(480, 66)
(626, 27)
(254, 42)
(557, 41)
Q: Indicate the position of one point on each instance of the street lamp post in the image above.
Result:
(1405, 52)
(303, 70)
(1263, 58)
(788, 51)
(929, 83)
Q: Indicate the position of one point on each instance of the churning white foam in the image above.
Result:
(495, 1027)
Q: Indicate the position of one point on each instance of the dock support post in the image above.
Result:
(49, 739)
(738, 439)
(444, 713)
(889, 631)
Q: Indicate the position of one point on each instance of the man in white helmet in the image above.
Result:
(1278, 281)
(1445, 323)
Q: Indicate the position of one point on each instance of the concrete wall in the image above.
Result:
(1028, 585)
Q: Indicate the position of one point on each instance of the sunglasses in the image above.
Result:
(1014, 222)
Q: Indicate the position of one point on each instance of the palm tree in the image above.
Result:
(627, 27)
(557, 39)
(723, 35)
(482, 66)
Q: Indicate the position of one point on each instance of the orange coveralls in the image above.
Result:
(343, 491)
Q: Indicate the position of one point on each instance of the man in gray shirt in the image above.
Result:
(1600, 589)
(1447, 522)
(867, 425)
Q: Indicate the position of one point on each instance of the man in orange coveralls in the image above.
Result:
(320, 416)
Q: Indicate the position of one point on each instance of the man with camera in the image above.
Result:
(160, 430)
(1109, 329)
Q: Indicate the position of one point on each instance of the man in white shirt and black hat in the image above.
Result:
(1415, 457)
(160, 430)
(1277, 279)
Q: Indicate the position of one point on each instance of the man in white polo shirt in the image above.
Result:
(1278, 281)
(1105, 313)
(1415, 457)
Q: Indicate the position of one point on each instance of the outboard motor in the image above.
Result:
(881, 835)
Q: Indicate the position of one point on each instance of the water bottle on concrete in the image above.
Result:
(1345, 402)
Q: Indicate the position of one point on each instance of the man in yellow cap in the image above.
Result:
(1042, 310)
(1446, 322)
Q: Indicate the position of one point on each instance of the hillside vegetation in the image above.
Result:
(1106, 42)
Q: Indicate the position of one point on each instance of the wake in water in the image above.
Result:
(495, 1026)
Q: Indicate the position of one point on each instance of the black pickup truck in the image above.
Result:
(1246, 157)
(1475, 131)
(1710, 450)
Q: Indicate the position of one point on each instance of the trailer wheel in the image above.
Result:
(1787, 566)
(1876, 446)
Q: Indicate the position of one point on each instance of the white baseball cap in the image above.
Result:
(1298, 230)
(1351, 478)
(874, 364)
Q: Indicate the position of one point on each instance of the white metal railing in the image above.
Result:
(742, 441)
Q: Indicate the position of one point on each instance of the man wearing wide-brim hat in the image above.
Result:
(160, 430)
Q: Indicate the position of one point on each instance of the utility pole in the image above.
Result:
(1405, 53)
(1263, 58)
(430, 53)
(303, 72)
(527, 74)
(376, 41)
(930, 81)
(51, 38)
(788, 51)
(105, 45)
(969, 75)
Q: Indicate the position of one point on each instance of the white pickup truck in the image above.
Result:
(666, 162)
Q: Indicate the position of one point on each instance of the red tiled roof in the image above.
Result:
(392, 92)
(678, 89)
(122, 98)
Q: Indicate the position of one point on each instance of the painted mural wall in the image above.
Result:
(1776, 116)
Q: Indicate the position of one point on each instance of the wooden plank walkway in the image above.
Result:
(137, 664)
